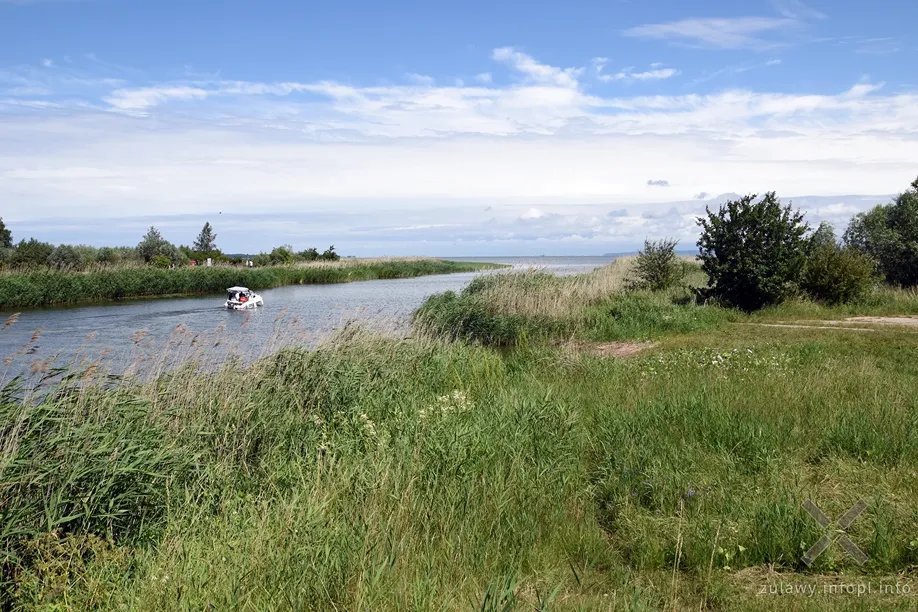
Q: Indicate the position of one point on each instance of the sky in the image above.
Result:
(435, 128)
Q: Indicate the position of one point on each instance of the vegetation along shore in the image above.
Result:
(35, 273)
(642, 437)
(43, 287)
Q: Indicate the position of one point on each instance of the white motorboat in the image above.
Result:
(241, 298)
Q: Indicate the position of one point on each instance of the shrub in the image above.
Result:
(752, 251)
(889, 234)
(837, 275)
(310, 254)
(64, 257)
(32, 253)
(108, 255)
(161, 261)
(330, 255)
(281, 255)
(658, 267)
(88, 254)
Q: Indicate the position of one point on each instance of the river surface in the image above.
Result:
(140, 335)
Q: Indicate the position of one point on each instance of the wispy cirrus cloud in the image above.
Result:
(720, 33)
(145, 97)
(628, 74)
(796, 9)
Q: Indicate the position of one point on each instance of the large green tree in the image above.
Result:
(752, 250)
(889, 234)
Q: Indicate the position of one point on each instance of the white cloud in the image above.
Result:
(420, 79)
(407, 156)
(484, 77)
(47, 63)
(773, 62)
(540, 73)
(628, 74)
(863, 89)
(723, 33)
(139, 99)
(648, 75)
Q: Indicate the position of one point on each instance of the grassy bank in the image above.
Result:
(375, 473)
(508, 309)
(47, 287)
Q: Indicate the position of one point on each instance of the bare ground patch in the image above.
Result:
(907, 321)
(610, 349)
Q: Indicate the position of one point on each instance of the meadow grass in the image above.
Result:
(44, 287)
(424, 473)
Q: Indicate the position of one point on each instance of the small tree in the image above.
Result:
(823, 237)
(330, 255)
(154, 244)
(752, 250)
(206, 240)
(658, 267)
(310, 254)
(6, 236)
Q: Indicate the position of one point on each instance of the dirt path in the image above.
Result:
(847, 324)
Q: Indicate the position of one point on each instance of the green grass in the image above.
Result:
(48, 287)
(374, 473)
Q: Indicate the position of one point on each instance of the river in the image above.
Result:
(155, 333)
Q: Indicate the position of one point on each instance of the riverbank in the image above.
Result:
(426, 473)
(50, 287)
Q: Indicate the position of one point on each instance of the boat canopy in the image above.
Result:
(237, 290)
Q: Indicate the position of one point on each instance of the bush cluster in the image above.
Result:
(756, 252)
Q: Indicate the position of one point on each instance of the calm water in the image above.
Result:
(146, 332)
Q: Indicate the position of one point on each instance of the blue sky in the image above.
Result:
(445, 128)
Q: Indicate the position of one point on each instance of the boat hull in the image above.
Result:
(244, 305)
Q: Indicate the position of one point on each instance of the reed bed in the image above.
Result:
(45, 287)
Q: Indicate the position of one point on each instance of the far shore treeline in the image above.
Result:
(40, 274)
(153, 250)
